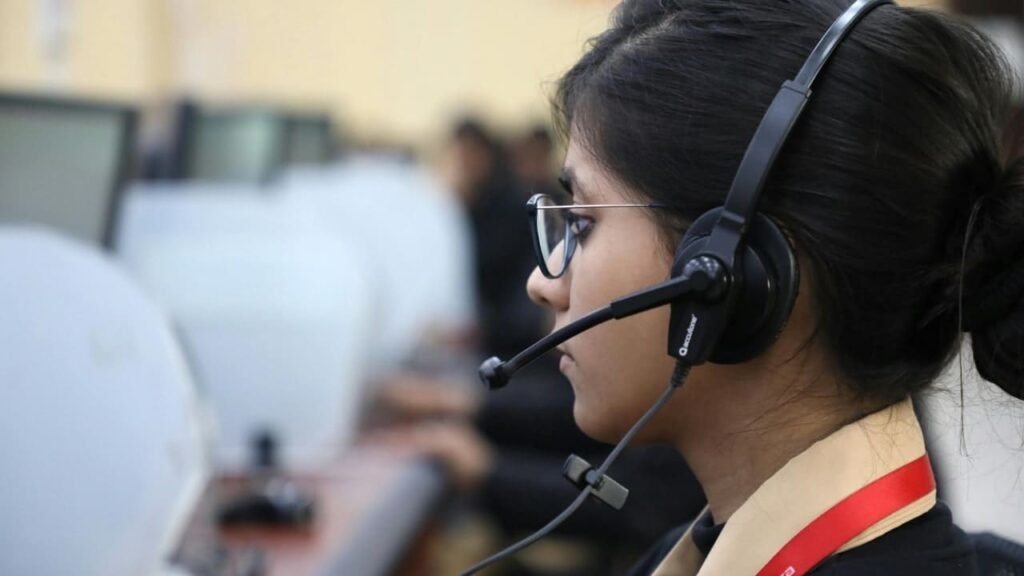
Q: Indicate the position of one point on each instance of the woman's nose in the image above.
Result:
(551, 293)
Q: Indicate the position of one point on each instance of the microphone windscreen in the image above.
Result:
(491, 373)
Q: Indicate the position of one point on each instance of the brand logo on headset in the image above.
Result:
(689, 335)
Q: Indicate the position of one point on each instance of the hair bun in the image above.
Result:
(993, 307)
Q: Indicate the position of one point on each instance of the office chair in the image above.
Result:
(105, 440)
(273, 310)
(978, 474)
(414, 237)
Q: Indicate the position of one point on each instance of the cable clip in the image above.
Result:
(582, 474)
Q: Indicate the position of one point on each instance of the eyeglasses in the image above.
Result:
(556, 225)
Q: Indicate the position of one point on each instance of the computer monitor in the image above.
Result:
(64, 163)
(234, 145)
(308, 140)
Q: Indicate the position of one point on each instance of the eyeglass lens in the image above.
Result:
(552, 230)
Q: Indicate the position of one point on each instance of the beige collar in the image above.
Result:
(806, 487)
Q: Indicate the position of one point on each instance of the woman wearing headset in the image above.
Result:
(906, 221)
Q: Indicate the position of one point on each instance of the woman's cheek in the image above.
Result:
(601, 406)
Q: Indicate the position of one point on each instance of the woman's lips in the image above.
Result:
(566, 361)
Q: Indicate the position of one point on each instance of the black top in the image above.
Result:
(930, 545)
(705, 533)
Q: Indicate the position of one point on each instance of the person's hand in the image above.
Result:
(455, 444)
(416, 397)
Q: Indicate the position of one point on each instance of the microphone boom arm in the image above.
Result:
(703, 277)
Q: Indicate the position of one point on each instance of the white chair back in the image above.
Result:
(414, 236)
(273, 309)
(104, 453)
(981, 473)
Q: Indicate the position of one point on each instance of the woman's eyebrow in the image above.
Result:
(566, 180)
(571, 185)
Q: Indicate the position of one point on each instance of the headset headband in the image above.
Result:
(771, 136)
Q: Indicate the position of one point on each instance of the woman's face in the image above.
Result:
(618, 369)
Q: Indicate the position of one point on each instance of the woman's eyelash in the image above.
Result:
(580, 224)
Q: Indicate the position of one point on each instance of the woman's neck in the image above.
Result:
(740, 437)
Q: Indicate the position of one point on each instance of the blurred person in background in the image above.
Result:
(507, 449)
(534, 159)
(492, 195)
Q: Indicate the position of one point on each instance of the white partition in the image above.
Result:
(416, 239)
(978, 451)
(273, 309)
(104, 452)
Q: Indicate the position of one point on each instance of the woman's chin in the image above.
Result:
(591, 425)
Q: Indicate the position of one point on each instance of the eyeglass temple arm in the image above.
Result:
(571, 206)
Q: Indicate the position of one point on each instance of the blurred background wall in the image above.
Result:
(374, 65)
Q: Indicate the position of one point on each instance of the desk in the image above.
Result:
(371, 508)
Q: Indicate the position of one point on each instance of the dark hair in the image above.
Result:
(539, 133)
(875, 185)
(472, 129)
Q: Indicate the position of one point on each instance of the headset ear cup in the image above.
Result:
(768, 284)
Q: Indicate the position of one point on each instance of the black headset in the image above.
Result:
(734, 276)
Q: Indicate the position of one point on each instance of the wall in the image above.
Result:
(113, 49)
(397, 69)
